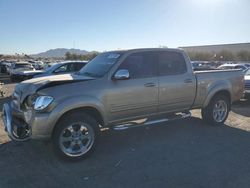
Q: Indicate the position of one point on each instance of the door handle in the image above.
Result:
(188, 81)
(150, 85)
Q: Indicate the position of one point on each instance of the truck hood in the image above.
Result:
(31, 86)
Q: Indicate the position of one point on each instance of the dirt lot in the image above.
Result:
(185, 153)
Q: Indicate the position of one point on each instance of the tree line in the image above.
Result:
(87, 57)
(223, 55)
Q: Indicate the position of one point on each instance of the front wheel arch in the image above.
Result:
(93, 112)
(75, 117)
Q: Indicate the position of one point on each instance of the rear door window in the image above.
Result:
(171, 63)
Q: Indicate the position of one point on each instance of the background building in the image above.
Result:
(220, 52)
(234, 48)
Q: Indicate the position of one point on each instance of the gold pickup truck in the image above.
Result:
(118, 90)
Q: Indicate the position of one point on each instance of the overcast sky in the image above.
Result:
(32, 26)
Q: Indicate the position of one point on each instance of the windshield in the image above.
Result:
(51, 67)
(101, 64)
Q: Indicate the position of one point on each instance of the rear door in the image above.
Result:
(137, 96)
(176, 84)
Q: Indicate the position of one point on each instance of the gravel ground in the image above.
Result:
(184, 153)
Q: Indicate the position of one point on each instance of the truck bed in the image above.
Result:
(207, 81)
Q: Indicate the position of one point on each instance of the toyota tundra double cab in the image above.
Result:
(117, 90)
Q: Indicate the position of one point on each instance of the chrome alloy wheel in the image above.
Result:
(220, 111)
(77, 139)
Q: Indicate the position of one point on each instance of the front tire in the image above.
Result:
(217, 110)
(75, 136)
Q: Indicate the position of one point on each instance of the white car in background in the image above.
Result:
(8, 66)
(38, 65)
(62, 68)
(19, 70)
(233, 66)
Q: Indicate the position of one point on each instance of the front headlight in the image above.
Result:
(42, 102)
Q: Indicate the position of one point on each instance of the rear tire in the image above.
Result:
(75, 136)
(217, 110)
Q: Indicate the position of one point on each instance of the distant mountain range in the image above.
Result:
(59, 53)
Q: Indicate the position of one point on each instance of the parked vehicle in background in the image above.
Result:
(49, 64)
(63, 68)
(7, 65)
(17, 70)
(233, 66)
(203, 65)
(38, 65)
(247, 84)
(3, 67)
(113, 91)
(21, 75)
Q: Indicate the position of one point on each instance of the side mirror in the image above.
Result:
(122, 74)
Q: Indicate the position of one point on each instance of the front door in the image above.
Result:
(137, 96)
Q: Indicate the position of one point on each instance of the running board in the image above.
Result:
(146, 122)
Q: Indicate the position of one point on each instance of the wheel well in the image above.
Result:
(88, 110)
(224, 93)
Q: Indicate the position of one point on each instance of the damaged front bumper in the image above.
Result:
(16, 128)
